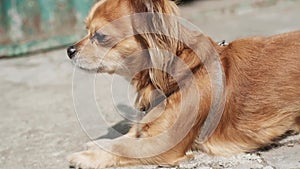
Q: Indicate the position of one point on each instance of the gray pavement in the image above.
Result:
(38, 124)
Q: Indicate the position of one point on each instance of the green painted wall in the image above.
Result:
(34, 25)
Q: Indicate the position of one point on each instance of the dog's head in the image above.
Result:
(113, 44)
(137, 39)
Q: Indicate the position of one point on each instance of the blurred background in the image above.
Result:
(38, 124)
(34, 25)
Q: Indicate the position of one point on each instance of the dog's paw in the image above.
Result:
(96, 159)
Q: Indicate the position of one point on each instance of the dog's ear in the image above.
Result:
(155, 23)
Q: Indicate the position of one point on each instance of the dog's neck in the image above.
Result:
(192, 61)
(170, 85)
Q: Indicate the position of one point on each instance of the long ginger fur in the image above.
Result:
(262, 92)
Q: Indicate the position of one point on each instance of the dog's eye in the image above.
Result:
(99, 37)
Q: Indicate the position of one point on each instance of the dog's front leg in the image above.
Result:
(166, 134)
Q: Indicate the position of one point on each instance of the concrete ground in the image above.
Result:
(38, 124)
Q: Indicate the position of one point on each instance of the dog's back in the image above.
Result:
(263, 91)
(265, 63)
(267, 68)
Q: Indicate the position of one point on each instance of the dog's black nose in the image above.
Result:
(71, 51)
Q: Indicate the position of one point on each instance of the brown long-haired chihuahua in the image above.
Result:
(259, 101)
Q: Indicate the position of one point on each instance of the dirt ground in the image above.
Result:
(39, 126)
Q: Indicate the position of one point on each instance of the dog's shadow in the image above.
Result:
(122, 127)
